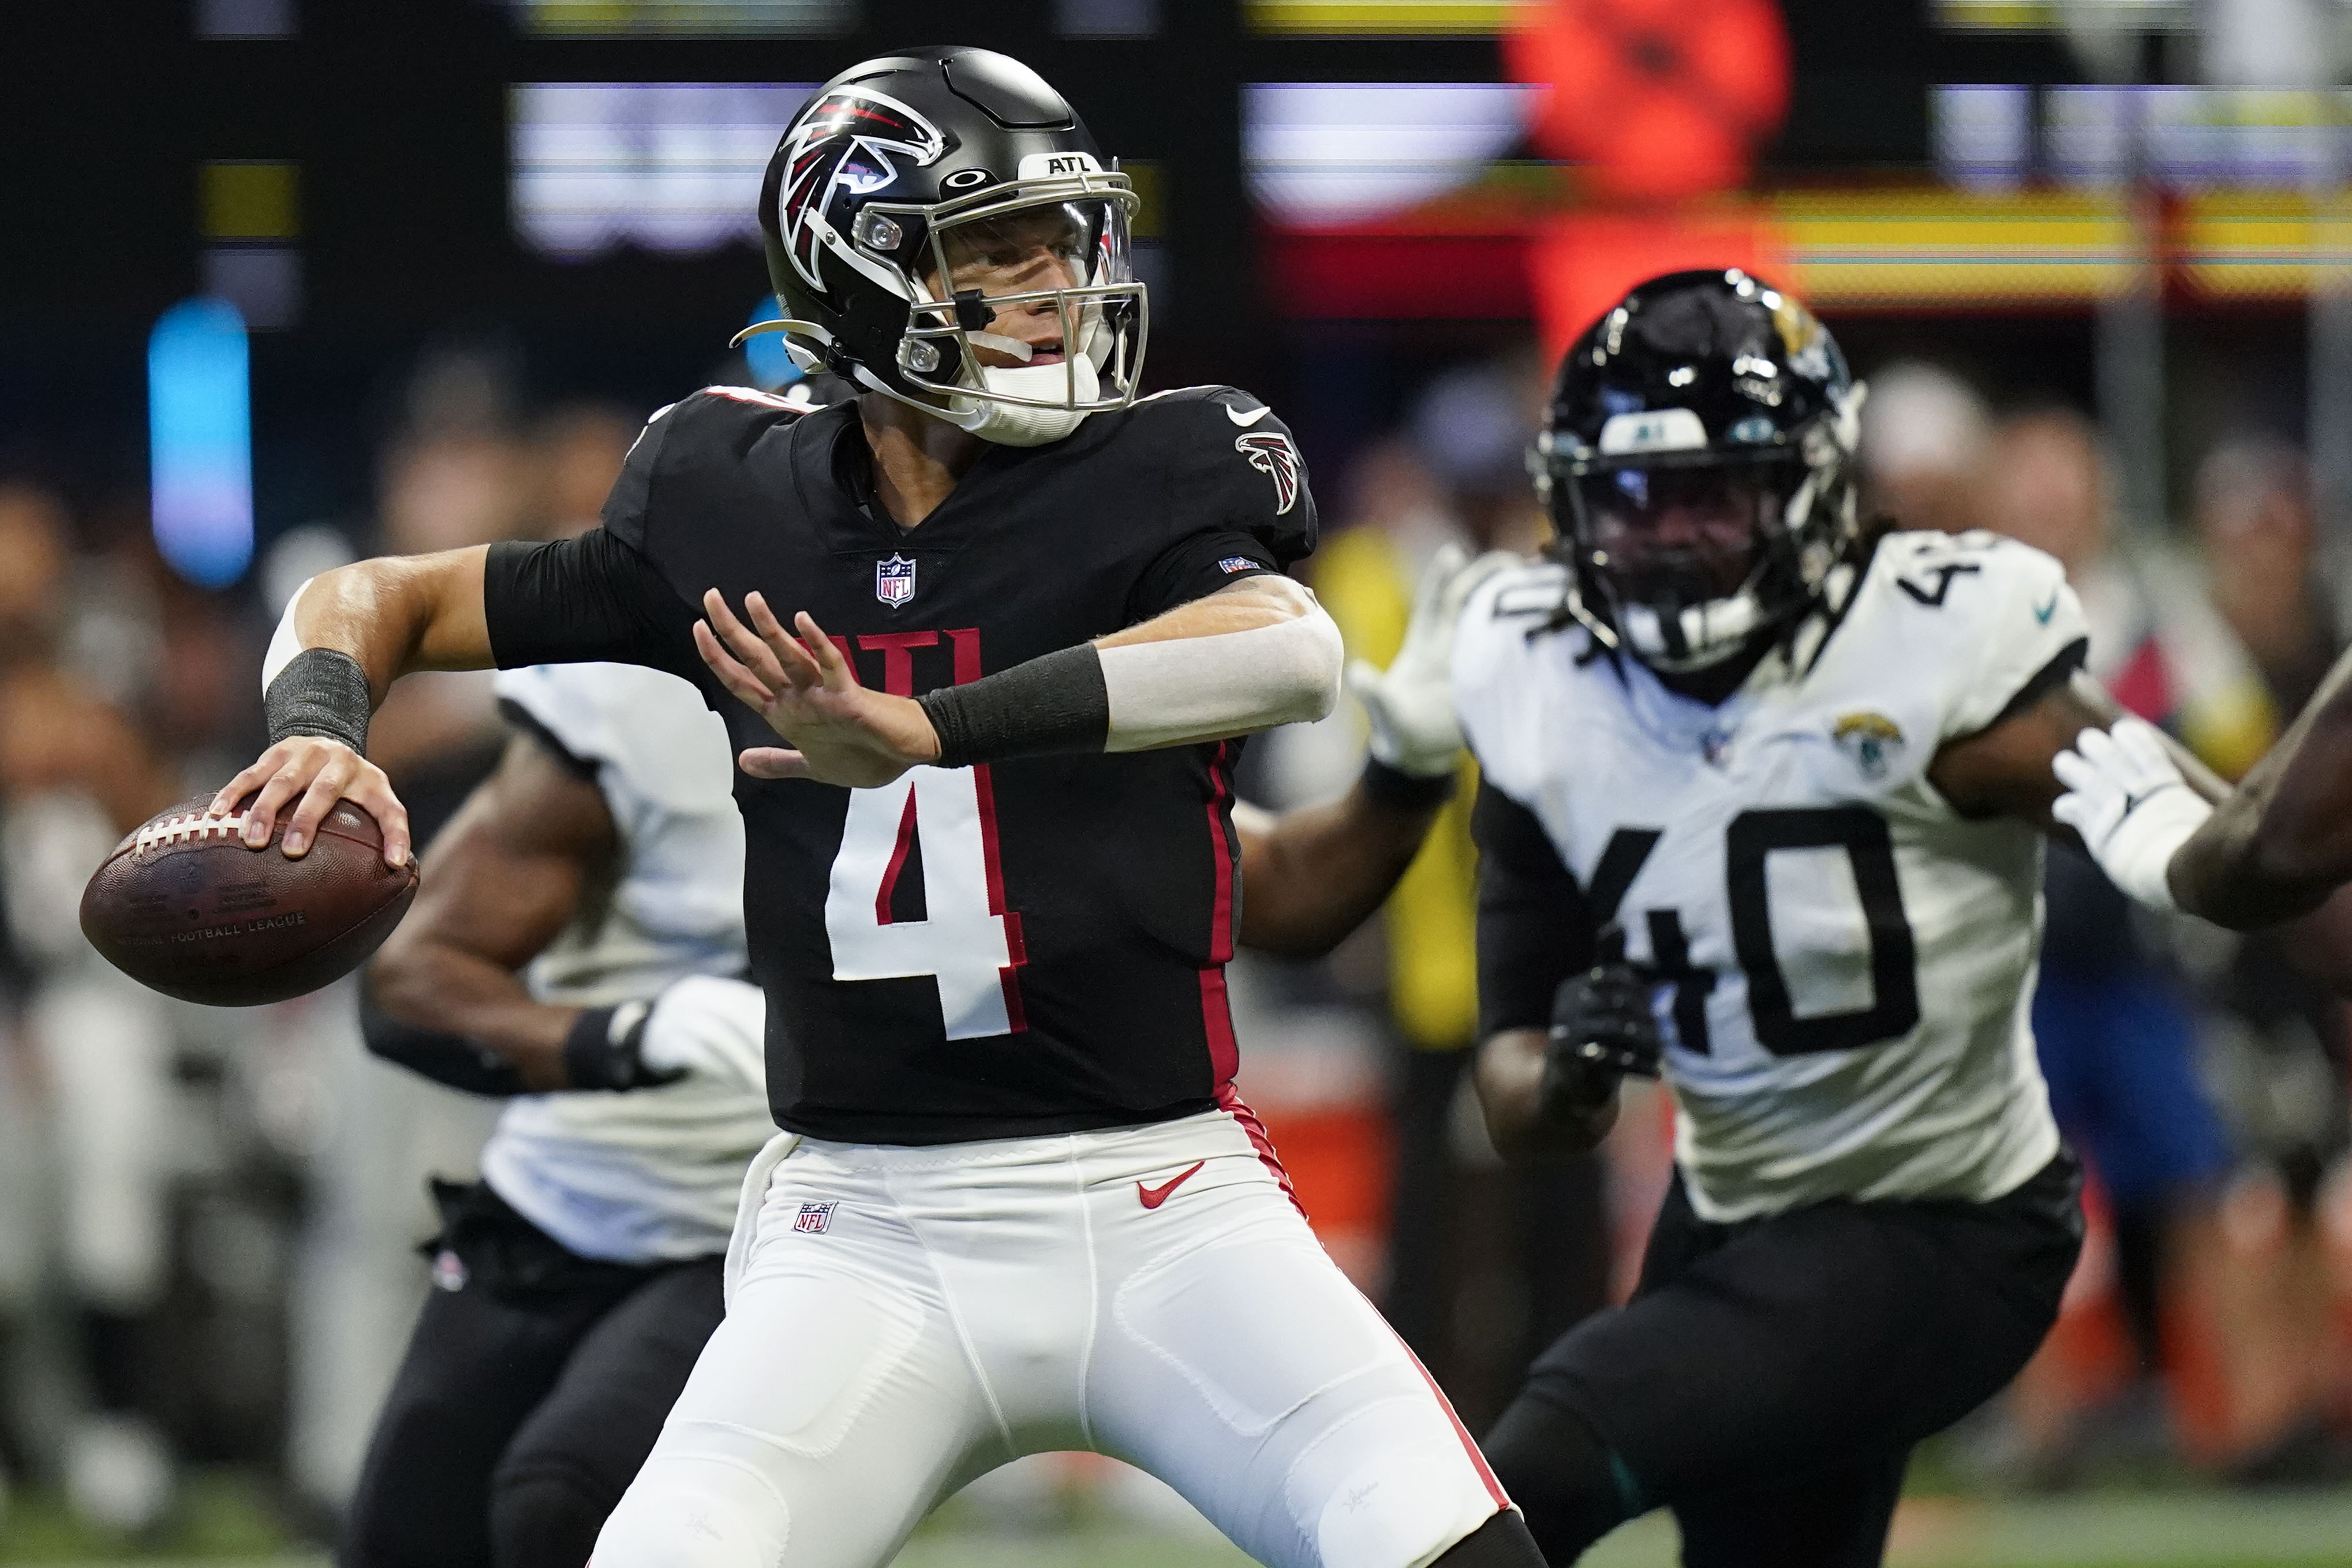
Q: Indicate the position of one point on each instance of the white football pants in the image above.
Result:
(902, 1320)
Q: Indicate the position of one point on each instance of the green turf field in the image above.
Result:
(227, 1524)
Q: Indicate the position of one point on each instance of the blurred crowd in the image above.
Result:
(208, 1219)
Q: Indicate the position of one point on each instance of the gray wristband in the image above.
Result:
(322, 691)
(1053, 704)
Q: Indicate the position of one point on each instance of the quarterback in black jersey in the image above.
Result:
(990, 878)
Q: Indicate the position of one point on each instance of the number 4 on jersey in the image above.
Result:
(965, 941)
(945, 821)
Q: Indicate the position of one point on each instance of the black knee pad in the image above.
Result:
(1562, 1476)
(546, 1516)
(1502, 1541)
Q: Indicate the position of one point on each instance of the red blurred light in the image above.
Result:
(1580, 264)
(1660, 99)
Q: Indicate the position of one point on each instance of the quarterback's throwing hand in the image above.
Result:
(840, 732)
(1602, 1028)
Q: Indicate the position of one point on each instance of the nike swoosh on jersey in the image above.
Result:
(1153, 1197)
(1245, 420)
(2043, 612)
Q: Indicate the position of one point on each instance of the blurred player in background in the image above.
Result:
(1764, 795)
(1018, 1206)
(2113, 1019)
(2279, 1039)
(1467, 1234)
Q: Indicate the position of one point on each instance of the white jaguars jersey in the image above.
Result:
(651, 1174)
(1844, 963)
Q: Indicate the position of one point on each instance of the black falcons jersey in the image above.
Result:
(1029, 947)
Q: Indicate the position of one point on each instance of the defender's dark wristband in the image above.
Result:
(599, 1055)
(1054, 704)
(1402, 791)
(322, 691)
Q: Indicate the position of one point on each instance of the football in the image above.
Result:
(182, 906)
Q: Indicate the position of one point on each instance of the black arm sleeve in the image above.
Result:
(575, 600)
(448, 1058)
(1535, 927)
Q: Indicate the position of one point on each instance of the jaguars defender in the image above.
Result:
(989, 883)
(1763, 806)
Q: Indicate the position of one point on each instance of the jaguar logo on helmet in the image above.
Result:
(1271, 453)
(845, 143)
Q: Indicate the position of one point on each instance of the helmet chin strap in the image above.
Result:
(1025, 424)
(1010, 423)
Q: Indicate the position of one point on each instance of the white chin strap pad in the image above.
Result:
(1022, 424)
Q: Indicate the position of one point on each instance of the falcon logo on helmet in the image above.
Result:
(1271, 453)
(843, 142)
(939, 230)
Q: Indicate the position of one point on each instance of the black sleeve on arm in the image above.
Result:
(592, 598)
(446, 1059)
(1195, 567)
(1535, 928)
(1238, 501)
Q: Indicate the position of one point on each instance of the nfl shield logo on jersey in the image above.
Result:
(814, 1219)
(894, 580)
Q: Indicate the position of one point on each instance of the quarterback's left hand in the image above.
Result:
(804, 687)
(2131, 804)
(1411, 704)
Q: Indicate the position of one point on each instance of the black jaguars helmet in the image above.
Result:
(1698, 460)
(919, 196)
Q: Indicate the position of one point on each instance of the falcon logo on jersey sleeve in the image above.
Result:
(894, 580)
(1871, 739)
(1271, 453)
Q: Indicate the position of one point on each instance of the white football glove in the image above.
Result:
(2126, 797)
(711, 1028)
(1410, 704)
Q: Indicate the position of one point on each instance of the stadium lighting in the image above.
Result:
(200, 441)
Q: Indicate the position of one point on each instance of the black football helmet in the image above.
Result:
(907, 169)
(1698, 460)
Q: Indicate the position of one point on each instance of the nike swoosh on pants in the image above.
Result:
(1153, 1197)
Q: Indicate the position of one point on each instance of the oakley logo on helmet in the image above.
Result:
(1270, 453)
(843, 142)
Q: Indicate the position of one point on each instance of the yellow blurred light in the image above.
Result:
(248, 201)
(1864, 249)
(1362, 18)
(1151, 183)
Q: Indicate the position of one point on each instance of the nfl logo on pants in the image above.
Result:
(814, 1219)
(894, 580)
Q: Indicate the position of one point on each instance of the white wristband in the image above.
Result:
(2132, 806)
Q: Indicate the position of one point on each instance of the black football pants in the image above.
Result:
(1769, 1378)
(524, 1408)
